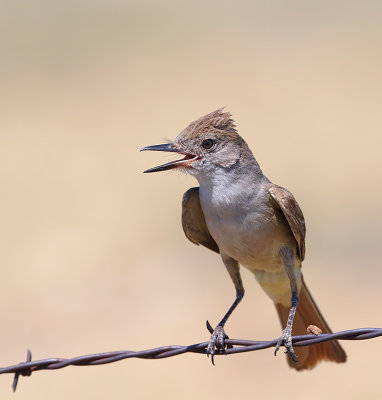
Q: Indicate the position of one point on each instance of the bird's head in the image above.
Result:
(208, 144)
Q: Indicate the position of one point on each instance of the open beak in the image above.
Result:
(170, 147)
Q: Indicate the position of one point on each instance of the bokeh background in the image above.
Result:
(93, 257)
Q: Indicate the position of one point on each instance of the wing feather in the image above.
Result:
(293, 214)
(193, 221)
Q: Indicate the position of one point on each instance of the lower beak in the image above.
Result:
(170, 147)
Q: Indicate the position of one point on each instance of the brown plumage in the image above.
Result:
(293, 214)
(193, 221)
(219, 121)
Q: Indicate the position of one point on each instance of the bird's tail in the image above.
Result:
(308, 314)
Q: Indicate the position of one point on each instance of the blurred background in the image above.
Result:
(93, 257)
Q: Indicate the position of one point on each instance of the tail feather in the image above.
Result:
(308, 314)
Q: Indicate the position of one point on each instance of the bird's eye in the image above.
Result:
(207, 144)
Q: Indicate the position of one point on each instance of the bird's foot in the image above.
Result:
(217, 341)
(286, 340)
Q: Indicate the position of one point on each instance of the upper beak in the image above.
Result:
(170, 147)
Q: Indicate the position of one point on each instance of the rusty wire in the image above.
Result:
(26, 368)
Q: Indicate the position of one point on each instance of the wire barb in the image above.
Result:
(242, 346)
(24, 372)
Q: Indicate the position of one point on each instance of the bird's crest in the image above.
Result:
(217, 121)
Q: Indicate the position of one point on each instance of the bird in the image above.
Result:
(237, 212)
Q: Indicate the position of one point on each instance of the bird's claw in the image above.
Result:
(217, 342)
(286, 340)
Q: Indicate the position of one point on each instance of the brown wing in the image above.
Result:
(293, 215)
(193, 221)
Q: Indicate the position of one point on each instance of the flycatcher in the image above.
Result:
(237, 212)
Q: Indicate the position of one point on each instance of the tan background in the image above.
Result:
(92, 253)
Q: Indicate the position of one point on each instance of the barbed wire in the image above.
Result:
(26, 368)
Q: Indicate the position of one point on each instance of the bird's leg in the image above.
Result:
(287, 259)
(218, 336)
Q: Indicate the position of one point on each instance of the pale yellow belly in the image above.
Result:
(277, 285)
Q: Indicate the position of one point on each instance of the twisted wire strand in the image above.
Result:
(26, 368)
